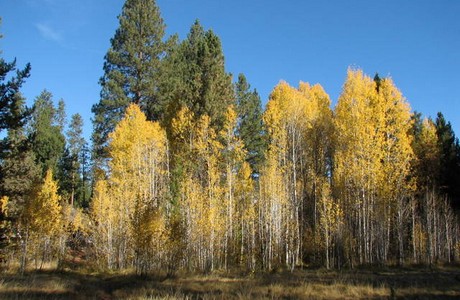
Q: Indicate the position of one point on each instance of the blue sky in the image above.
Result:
(415, 42)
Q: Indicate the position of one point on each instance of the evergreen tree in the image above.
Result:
(449, 148)
(17, 157)
(46, 136)
(193, 80)
(75, 135)
(193, 75)
(13, 112)
(250, 125)
(130, 68)
(417, 126)
(72, 160)
(65, 171)
(18, 171)
(19, 175)
(10, 99)
(85, 165)
(378, 82)
(60, 116)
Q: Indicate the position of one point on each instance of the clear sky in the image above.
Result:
(416, 42)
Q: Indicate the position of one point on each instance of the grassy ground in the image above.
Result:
(407, 283)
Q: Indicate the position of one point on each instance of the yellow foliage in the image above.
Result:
(357, 144)
(74, 219)
(331, 214)
(182, 125)
(373, 156)
(397, 153)
(298, 122)
(136, 183)
(428, 154)
(43, 213)
(4, 205)
(101, 206)
(103, 218)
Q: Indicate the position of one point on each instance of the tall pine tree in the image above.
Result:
(18, 171)
(193, 80)
(46, 136)
(193, 75)
(13, 113)
(449, 148)
(130, 68)
(250, 125)
(71, 177)
(19, 175)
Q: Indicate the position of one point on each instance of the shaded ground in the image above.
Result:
(407, 283)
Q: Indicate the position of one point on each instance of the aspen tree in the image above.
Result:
(315, 165)
(436, 230)
(295, 119)
(397, 157)
(198, 157)
(373, 156)
(427, 151)
(234, 156)
(44, 222)
(103, 222)
(357, 159)
(186, 192)
(246, 216)
(330, 218)
(208, 150)
(273, 185)
(137, 184)
(427, 168)
(286, 118)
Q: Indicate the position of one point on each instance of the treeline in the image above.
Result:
(45, 174)
(188, 172)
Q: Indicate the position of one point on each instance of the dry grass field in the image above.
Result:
(401, 283)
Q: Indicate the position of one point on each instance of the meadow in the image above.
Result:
(368, 283)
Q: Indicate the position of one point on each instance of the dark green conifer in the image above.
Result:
(250, 124)
(130, 68)
(48, 141)
(194, 75)
(449, 147)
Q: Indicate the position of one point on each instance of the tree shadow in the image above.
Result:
(415, 283)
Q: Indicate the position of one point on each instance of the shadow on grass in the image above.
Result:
(408, 283)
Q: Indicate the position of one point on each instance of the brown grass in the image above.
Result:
(409, 283)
